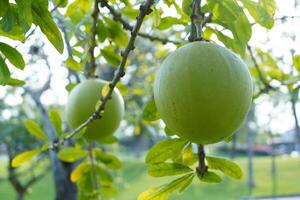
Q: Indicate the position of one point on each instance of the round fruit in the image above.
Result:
(203, 92)
(81, 105)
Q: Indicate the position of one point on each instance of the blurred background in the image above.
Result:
(267, 147)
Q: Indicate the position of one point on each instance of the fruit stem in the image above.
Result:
(197, 21)
(202, 168)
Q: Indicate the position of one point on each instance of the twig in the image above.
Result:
(94, 174)
(95, 14)
(197, 19)
(118, 17)
(261, 78)
(144, 10)
(202, 168)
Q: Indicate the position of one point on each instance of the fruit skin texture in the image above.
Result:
(203, 92)
(81, 105)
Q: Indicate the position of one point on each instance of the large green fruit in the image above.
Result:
(81, 105)
(203, 92)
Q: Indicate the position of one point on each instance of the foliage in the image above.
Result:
(226, 22)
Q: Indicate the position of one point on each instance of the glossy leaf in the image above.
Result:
(55, 121)
(164, 191)
(15, 82)
(43, 18)
(35, 130)
(24, 13)
(228, 167)
(189, 157)
(4, 5)
(73, 65)
(12, 55)
(167, 169)
(259, 13)
(164, 150)
(296, 62)
(109, 160)
(79, 170)
(71, 154)
(150, 112)
(186, 6)
(4, 72)
(210, 177)
(102, 31)
(111, 57)
(24, 157)
(105, 178)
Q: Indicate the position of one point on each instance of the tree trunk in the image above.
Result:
(250, 141)
(297, 129)
(20, 195)
(64, 188)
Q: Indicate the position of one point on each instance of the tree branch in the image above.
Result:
(267, 86)
(197, 19)
(144, 10)
(95, 14)
(118, 17)
(202, 168)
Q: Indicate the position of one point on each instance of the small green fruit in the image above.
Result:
(203, 92)
(81, 105)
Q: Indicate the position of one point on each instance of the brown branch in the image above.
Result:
(202, 168)
(144, 10)
(118, 17)
(95, 14)
(261, 78)
(197, 19)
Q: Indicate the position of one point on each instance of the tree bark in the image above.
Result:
(250, 141)
(297, 129)
(64, 188)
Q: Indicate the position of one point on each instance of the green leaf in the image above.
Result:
(10, 26)
(12, 55)
(210, 177)
(111, 57)
(73, 65)
(24, 157)
(167, 22)
(61, 3)
(230, 15)
(296, 62)
(71, 154)
(108, 191)
(105, 178)
(4, 5)
(56, 121)
(167, 169)
(42, 17)
(186, 6)
(109, 160)
(169, 132)
(102, 31)
(164, 150)
(259, 13)
(105, 89)
(189, 157)
(295, 94)
(228, 167)
(122, 88)
(15, 82)
(70, 86)
(116, 32)
(156, 15)
(4, 72)
(79, 170)
(24, 13)
(150, 112)
(35, 130)
(164, 191)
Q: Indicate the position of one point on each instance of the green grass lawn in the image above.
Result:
(133, 179)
